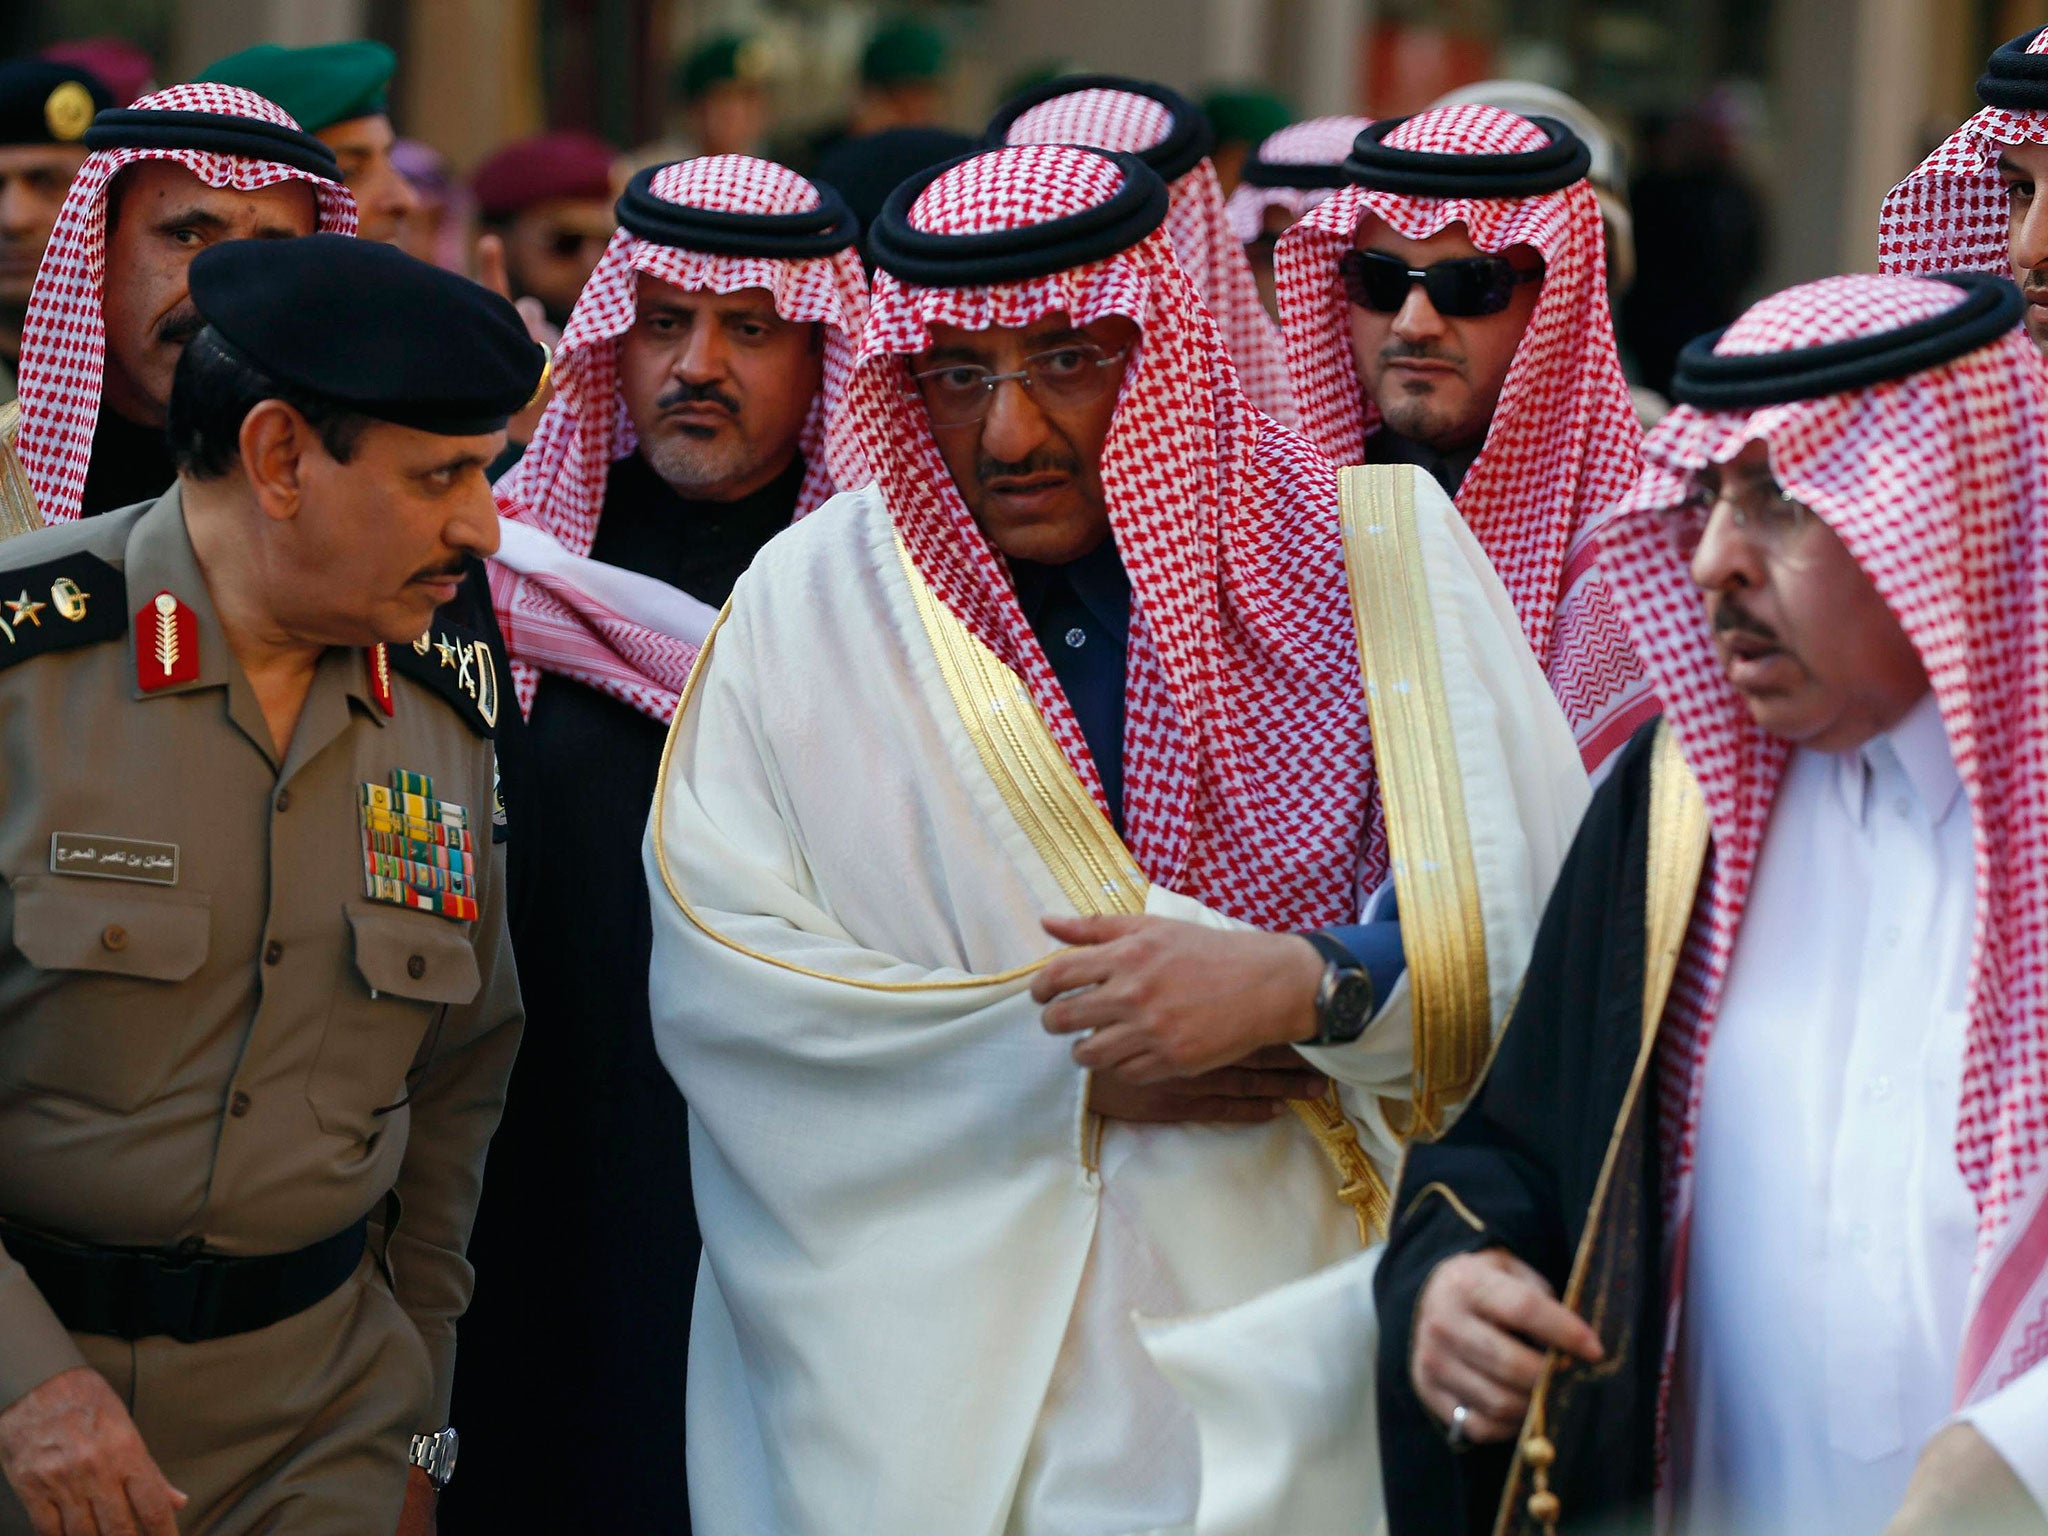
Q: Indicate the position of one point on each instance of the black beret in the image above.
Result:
(44, 102)
(363, 324)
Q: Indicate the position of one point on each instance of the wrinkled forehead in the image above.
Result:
(652, 291)
(168, 186)
(1050, 330)
(2025, 157)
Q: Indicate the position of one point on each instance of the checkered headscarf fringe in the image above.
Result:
(1247, 776)
(1950, 214)
(1211, 255)
(1318, 141)
(1938, 485)
(558, 484)
(64, 339)
(1564, 444)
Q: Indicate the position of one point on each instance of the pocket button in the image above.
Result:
(416, 967)
(115, 938)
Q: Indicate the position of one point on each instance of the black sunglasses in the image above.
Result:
(1462, 288)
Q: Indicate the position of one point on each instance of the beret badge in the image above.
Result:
(68, 111)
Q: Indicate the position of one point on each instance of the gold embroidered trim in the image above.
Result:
(1678, 837)
(1057, 813)
(1443, 929)
(18, 512)
(668, 880)
(1450, 1197)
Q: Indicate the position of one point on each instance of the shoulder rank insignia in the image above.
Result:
(78, 600)
(166, 643)
(416, 849)
(459, 668)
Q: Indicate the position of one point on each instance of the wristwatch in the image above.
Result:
(1344, 998)
(435, 1455)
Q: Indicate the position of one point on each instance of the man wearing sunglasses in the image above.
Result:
(1448, 308)
(1976, 204)
(549, 200)
(1008, 863)
(1747, 1221)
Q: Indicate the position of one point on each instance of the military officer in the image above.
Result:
(257, 1005)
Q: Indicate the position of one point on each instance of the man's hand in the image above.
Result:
(1168, 999)
(1961, 1486)
(421, 1498)
(1481, 1326)
(491, 272)
(1252, 1092)
(76, 1461)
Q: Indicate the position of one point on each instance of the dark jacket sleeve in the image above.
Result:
(1516, 1169)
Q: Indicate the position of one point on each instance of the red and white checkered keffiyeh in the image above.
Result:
(1319, 141)
(1248, 782)
(1211, 255)
(64, 339)
(1950, 215)
(1564, 444)
(558, 485)
(1938, 485)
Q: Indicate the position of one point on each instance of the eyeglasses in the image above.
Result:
(1462, 288)
(1058, 379)
(1758, 507)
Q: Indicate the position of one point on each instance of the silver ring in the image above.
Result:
(1459, 1415)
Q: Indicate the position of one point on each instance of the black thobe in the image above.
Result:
(129, 463)
(1523, 1160)
(1447, 466)
(569, 1395)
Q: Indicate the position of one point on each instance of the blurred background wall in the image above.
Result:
(1820, 104)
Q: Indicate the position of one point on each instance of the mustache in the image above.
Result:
(1047, 461)
(695, 394)
(180, 325)
(449, 571)
(1396, 350)
(1729, 618)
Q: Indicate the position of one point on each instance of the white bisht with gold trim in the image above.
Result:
(924, 1259)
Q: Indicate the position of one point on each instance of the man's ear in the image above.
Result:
(275, 440)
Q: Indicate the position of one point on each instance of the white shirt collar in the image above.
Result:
(1918, 746)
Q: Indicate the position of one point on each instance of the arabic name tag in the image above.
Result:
(113, 858)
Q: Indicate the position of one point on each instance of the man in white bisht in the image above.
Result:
(1093, 662)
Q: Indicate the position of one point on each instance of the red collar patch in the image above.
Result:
(166, 644)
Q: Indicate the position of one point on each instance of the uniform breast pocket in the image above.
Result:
(409, 966)
(105, 1021)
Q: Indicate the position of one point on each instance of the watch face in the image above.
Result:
(1351, 1002)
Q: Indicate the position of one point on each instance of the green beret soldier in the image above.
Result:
(340, 93)
(257, 1005)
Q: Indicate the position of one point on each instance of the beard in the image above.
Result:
(697, 467)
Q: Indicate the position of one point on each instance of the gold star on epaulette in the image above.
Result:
(25, 608)
(446, 650)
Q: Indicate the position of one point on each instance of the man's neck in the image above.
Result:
(12, 322)
(279, 665)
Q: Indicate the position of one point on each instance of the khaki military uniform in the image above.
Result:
(227, 1042)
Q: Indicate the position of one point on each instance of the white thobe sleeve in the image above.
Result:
(2015, 1420)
